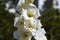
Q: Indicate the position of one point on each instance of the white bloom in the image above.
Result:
(8, 4)
(56, 4)
(40, 34)
(12, 10)
(28, 25)
(32, 8)
(40, 4)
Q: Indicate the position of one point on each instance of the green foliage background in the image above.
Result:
(6, 24)
(50, 19)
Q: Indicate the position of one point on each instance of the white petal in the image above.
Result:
(34, 10)
(20, 2)
(16, 35)
(40, 37)
(15, 21)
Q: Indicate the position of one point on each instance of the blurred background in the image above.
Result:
(50, 19)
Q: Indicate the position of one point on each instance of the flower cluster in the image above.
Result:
(27, 22)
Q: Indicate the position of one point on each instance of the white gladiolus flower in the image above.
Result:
(36, 31)
(27, 22)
